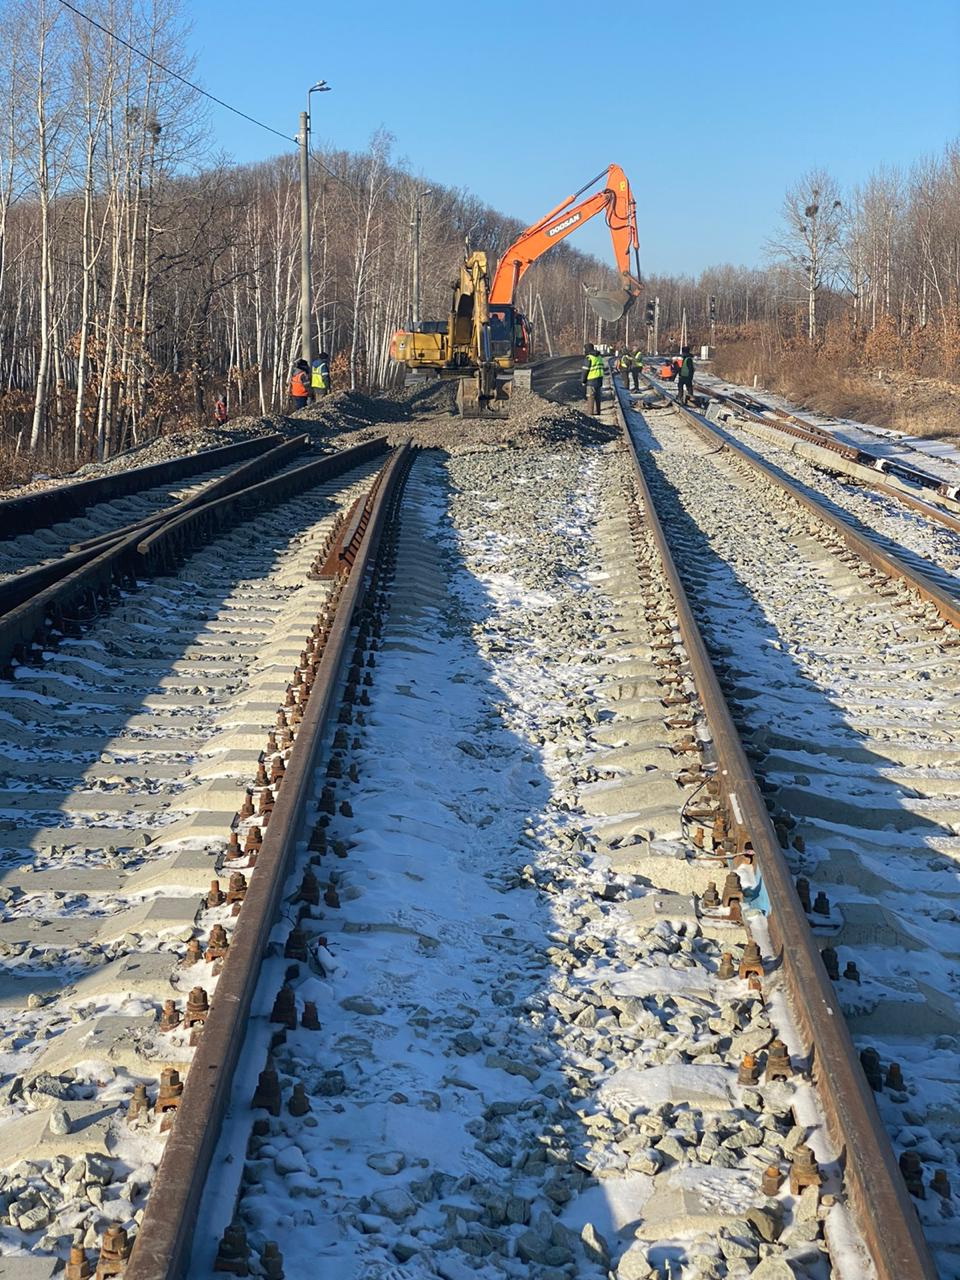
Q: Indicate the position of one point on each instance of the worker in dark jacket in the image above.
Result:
(685, 376)
(593, 370)
(300, 391)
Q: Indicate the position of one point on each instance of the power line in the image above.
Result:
(167, 71)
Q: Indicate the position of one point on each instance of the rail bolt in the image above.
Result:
(285, 1008)
(266, 802)
(233, 1252)
(749, 1070)
(114, 1252)
(170, 1017)
(219, 944)
(198, 1006)
(732, 889)
(79, 1267)
(778, 1062)
(821, 904)
(277, 771)
(237, 887)
(911, 1167)
(309, 889)
(894, 1078)
(233, 846)
(262, 779)
(870, 1061)
(171, 1090)
(253, 841)
(215, 898)
(194, 953)
(751, 962)
(331, 897)
(771, 1180)
(335, 767)
(299, 1103)
(246, 809)
(940, 1183)
(710, 899)
(296, 946)
(831, 963)
(271, 1259)
(328, 801)
(267, 1093)
(310, 1021)
(804, 1170)
(726, 969)
(139, 1104)
(346, 809)
(851, 972)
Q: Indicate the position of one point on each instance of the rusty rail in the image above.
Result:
(165, 1238)
(872, 1180)
(36, 510)
(83, 590)
(792, 425)
(22, 586)
(885, 561)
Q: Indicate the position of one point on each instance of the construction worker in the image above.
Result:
(300, 390)
(625, 365)
(220, 411)
(594, 368)
(685, 376)
(320, 374)
(637, 369)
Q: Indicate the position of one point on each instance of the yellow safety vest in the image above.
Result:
(597, 367)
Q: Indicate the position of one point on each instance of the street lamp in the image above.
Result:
(415, 224)
(306, 325)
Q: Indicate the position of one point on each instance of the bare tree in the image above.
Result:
(813, 218)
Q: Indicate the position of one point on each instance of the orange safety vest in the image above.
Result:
(300, 384)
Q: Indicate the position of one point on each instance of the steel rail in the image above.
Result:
(885, 561)
(135, 554)
(810, 433)
(21, 586)
(872, 1180)
(163, 1243)
(31, 511)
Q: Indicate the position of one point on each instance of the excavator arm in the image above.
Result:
(616, 202)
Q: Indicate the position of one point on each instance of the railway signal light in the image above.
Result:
(650, 312)
(713, 307)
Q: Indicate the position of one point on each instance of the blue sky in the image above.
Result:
(713, 109)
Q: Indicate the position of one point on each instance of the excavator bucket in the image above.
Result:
(468, 398)
(609, 304)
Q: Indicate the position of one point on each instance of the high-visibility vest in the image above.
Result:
(320, 375)
(626, 360)
(638, 357)
(596, 367)
(299, 386)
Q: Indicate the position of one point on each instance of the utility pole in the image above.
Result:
(683, 328)
(656, 326)
(415, 225)
(306, 301)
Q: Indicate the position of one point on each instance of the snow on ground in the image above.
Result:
(848, 699)
(518, 1074)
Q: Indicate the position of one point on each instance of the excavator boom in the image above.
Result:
(616, 202)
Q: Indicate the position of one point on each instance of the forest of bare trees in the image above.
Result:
(140, 277)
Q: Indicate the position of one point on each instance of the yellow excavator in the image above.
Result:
(475, 346)
(485, 337)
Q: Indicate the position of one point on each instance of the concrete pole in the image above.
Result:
(656, 326)
(416, 263)
(306, 308)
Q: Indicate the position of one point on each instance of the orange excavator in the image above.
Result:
(486, 337)
(615, 201)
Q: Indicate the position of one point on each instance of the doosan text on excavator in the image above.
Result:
(485, 337)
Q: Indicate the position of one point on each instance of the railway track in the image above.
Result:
(520, 983)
